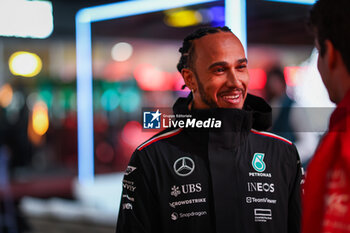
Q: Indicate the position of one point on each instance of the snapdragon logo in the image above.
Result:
(175, 216)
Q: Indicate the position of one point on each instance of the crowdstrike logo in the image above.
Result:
(187, 202)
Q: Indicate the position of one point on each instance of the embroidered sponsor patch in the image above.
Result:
(184, 166)
(258, 162)
(129, 170)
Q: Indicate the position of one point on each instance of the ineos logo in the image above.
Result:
(184, 166)
(261, 187)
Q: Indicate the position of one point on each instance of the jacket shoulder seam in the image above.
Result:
(158, 138)
(271, 135)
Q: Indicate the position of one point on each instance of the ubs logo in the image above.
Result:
(184, 166)
(185, 189)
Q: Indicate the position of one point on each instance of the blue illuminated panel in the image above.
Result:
(305, 2)
(235, 17)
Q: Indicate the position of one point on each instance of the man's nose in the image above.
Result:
(232, 79)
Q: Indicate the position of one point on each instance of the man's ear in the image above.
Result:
(330, 54)
(189, 78)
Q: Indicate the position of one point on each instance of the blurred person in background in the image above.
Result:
(15, 152)
(233, 178)
(327, 187)
(288, 118)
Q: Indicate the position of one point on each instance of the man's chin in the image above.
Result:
(236, 106)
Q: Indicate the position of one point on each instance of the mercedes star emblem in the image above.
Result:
(184, 166)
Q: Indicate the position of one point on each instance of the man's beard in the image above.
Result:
(204, 96)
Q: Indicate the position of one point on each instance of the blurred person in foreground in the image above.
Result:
(230, 178)
(327, 187)
(289, 119)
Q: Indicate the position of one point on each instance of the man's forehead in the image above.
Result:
(217, 38)
(219, 43)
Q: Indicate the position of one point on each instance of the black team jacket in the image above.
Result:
(235, 178)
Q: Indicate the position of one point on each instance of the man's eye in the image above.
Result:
(221, 69)
(241, 66)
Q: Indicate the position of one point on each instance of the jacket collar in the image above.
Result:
(235, 123)
(338, 118)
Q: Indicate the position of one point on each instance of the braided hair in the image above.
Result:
(187, 49)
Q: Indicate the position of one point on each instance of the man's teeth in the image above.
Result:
(231, 97)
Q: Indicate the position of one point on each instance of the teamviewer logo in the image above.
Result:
(151, 120)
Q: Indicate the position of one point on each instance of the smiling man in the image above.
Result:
(228, 179)
(218, 72)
